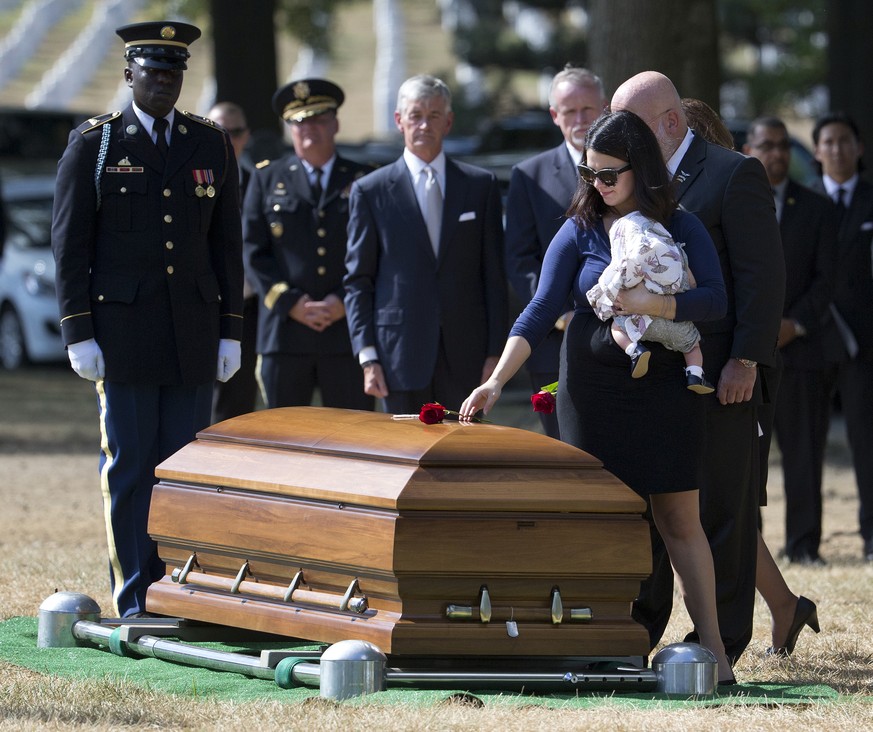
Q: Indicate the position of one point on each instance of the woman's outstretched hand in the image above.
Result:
(482, 397)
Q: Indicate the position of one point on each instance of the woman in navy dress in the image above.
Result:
(648, 432)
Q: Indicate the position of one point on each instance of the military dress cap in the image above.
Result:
(159, 44)
(306, 98)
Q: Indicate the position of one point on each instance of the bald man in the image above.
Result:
(730, 194)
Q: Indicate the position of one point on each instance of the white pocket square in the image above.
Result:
(469, 216)
(867, 226)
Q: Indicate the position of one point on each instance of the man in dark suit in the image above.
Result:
(731, 196)
(149, 280)
(806, 337)
(294, 222)
(238, 395)
(838, 149)
(425, 290)
(540, 190)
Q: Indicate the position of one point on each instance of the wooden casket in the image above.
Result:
(426, 540)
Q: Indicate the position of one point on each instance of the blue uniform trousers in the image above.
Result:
(140, 426)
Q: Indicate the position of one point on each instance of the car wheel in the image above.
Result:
(13, 353)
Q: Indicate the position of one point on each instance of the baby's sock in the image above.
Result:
(630, 349)
(694, 371)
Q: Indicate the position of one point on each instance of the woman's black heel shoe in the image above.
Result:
(805, 613)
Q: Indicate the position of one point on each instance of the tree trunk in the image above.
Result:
(850, 56)
(679, 38)
(245, 59)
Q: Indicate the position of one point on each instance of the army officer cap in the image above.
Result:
(306, 98)
(159, 44)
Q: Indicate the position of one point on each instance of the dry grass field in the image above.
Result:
(51, 537)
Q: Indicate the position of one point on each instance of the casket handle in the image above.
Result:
(181, 575)
(557, 607)
(240, 576)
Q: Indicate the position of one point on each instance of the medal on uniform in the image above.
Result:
(202, 177)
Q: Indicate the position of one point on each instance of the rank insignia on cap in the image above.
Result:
(168, 33)
(301, 90)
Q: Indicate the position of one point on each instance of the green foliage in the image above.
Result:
(493, 44)
(785, 48)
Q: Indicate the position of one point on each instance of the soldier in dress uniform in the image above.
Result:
(147, 239)
(294, 223)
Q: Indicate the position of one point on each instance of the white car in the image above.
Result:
(29, 323)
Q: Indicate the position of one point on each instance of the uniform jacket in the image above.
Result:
(853, 291)
(730, 194)
(295, 245)
(401, 298)
(540, 190)
(808, 229)
(154, 273)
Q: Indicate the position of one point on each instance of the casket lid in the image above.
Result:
(374, 435)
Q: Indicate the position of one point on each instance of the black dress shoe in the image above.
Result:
(698, 384)
(640, 362)
(805, 613)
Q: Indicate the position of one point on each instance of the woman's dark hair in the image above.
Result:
(625, 136)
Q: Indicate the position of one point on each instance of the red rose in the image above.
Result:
(432, 413)
(543, 401)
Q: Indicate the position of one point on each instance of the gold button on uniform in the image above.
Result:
(322, 270)
(170, 269)
(321, 251)
(277, 207)
(168, 219)
(169, 245)
(321, 233)
(100, 298)
(123, 189)
(167, 192)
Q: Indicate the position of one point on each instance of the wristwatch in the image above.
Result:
(369, 363)
(747, 362)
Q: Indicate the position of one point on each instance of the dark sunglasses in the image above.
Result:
(607, 176)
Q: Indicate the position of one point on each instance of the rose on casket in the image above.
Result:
(433, 413)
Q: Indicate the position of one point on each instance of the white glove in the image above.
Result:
(229, 355)
(86, 358)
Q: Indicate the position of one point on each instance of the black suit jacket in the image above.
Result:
(540, 190)
(295, 245)
(402, 299)
(154, 272)
(730, 194)
(853, 290)
(809, 231)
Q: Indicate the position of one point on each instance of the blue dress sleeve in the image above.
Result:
(707, 301)
(559, 270)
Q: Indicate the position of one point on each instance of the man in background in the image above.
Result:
(238, 394)
(294, 224)
(838, 149)
(540, 190)
(802, 409)
(425, 289)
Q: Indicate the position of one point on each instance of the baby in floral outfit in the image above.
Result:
(643, 251)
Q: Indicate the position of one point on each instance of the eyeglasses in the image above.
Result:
(607, 176)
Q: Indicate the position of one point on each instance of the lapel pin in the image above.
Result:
(131, 129)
